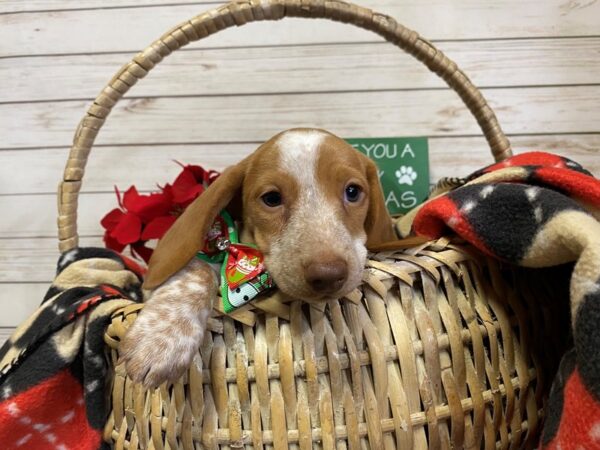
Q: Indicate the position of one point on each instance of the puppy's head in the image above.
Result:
(310, 202)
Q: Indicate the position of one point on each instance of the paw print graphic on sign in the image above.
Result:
(406, 175)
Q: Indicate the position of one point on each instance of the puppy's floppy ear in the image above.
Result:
(378, 224)
(186, 236)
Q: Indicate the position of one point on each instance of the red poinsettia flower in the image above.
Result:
(144, 217)
(148, 206)
(158, 227)
(190, 183)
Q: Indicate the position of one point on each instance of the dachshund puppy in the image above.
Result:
(312, 205)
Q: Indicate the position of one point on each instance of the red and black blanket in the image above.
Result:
(540, 210)
(53, 370)
(533, 210)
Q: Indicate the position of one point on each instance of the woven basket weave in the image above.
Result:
(437, 349)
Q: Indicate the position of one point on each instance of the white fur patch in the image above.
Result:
(360, 249)
(298, 152)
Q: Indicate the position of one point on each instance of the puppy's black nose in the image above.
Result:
(326, 276)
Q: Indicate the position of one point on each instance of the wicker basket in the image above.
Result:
(437, 349)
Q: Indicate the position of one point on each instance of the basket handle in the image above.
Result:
(238, 13)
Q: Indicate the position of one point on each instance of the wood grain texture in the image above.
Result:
(13, 6)
(323, 68)
(5, 333)
(258, 117)
(146, 165)
(111, 30)
(17, 302)
(19, 256)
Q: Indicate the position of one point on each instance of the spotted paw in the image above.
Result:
(160, 347)
(165, 337)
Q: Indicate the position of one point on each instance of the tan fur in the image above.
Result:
(315, 229)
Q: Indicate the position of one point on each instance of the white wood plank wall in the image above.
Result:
(537, 61)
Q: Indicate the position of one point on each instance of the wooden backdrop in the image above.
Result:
(537, 61)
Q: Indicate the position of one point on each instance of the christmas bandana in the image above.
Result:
(540, 210)
(53, 370)
(243, 273)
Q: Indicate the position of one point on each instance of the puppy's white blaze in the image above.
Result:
(298, 155)
(298, 152)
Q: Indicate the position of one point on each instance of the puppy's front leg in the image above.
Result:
(163, 340)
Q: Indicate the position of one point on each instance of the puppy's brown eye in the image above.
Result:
(352, 193)
(272, 199)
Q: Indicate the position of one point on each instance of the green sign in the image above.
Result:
(403, 169)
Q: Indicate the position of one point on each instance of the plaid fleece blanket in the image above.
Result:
(533, 210)
(53, 370)
(539, 210)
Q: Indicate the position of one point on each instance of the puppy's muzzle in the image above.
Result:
(326, 277)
